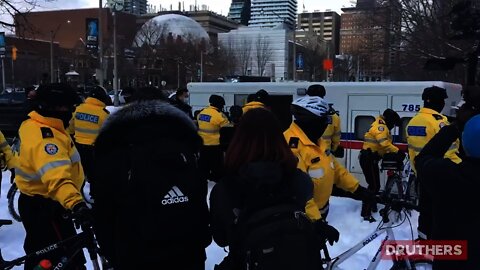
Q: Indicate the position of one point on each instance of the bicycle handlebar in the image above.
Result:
(5, 222)
(395, 204)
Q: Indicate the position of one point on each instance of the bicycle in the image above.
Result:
(401, 177)
(85, 239)
(386, 225)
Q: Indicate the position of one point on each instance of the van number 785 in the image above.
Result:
(411, 107)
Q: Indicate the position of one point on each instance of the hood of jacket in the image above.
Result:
(147, 121)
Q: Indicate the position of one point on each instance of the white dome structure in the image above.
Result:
(160, 26)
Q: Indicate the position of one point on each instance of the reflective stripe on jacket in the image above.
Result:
(378, 138)
(324, 170)
(252, 105)
(421, 129)
(5, 148)
(210, 120)
(88, 119)
(331, 137)
(48, 164)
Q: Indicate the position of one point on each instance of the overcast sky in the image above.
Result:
(219, 6)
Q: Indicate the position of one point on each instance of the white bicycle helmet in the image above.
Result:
(316, 105)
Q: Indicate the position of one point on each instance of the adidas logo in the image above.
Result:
(174, 196)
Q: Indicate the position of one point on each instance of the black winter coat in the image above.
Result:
(256, 186)
(150, 203)
(181, 105)
(453, 188)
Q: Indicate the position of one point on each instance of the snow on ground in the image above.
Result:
(344, 215)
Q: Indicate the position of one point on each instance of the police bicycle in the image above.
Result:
(391, 217)
(401, 181)
(85, 239)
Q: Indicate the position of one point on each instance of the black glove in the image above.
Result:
(339, 152)
(401, 156)
(82, 216)
(327, 232)
(365, 195)
(12, 176)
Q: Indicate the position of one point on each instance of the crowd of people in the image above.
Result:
(148, 166)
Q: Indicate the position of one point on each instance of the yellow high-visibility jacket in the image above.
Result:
(379, 139)
(331, 137)
(10, 158)
(210, 120)
(323, 169)
(252, 105)
(421, 129)
(48, 164)
(88, 119)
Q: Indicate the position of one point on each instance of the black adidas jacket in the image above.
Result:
(150, 203)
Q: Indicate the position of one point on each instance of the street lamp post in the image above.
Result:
(52, 37)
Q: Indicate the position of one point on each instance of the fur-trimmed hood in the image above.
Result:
(145, 120)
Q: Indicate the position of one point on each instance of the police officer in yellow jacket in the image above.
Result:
(330, 140)
(310, 122)
(377, 142)
(210, 120)
(7, 159)
(257, 100)
(88, 118)
(49, 176)
(420, 130)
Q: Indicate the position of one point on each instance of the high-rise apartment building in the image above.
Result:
(367, 34)
(137, 7)
(270, 13)
(325, 25)
(240, 11)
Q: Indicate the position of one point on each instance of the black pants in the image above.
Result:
(425, 218)
(88, 163)
(210, 162)
(44, 223)
(369, 163)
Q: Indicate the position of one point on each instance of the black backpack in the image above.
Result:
(278, 237)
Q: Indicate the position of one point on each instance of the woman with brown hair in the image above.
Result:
(261, 175)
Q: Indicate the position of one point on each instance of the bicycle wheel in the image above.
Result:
(393, 187)
(12, 200)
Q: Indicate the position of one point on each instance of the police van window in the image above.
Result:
(240, 99)
(362, 125)
(403, 129)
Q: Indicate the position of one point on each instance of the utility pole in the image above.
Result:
(100, 44)
(201, 66)
(294, 77)
(115, 66)
(52, 80)
(3, 73)
(178, 73)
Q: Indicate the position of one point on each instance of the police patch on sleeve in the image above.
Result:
(381, 129)
(51, 149)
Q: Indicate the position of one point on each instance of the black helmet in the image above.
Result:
(100, 94)
(392, 118)
(216, 101)
(262, 96)
(316, 90)
(49, 96)
(434, 93)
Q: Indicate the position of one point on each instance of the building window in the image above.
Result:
(362, 125)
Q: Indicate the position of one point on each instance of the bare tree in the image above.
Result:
(244, 54)
(151, 34)
(314, 53)
(228, 58)
(264, 53)
(10, 8)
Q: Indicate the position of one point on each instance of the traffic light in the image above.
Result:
(14, 53)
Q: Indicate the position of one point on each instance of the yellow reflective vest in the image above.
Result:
(331, 137)
(210, 120)
(324, 170)
(88, 118)
(10, 158)
(379, 139)
(252, 105)
(48, 164)
(421, 129)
